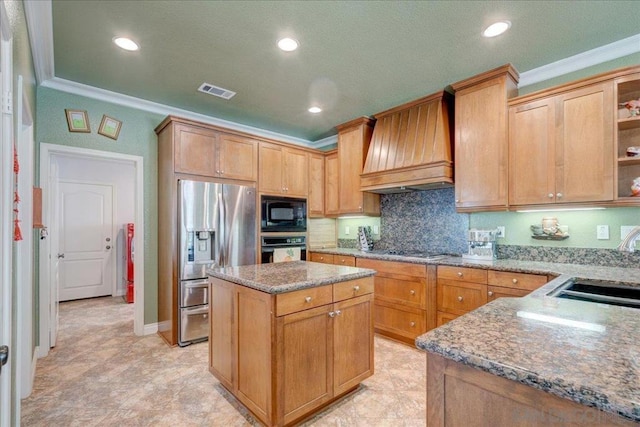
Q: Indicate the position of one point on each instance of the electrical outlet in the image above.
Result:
(346, 229)
(602, 232)
(501, 231)
(376, 229)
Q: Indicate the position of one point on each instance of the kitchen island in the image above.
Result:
(288, 339)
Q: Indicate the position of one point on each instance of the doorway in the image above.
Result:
(71, 169)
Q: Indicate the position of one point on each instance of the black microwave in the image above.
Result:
(283, 214)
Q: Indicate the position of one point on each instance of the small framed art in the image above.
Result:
(109, 127)
(78, 120)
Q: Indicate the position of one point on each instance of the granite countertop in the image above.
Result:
(277, 278)
(594, 360)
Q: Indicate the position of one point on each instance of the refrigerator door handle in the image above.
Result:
(220, 235)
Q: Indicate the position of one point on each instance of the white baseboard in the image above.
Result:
(42, 352)
(150, 328)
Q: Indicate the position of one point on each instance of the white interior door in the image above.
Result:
(85, 240)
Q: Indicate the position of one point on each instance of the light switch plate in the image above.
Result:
(376, 229)
(602, 232)
(346, 229)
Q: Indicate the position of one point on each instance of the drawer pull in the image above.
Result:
(321, 258)
(338, 312)
(412, 324)
(490, 293)
(342, 261)
(412, 292)
(460, 299)
(307, 299)
(356, 288)
(460, 274)
(550, 195)
(514, 281)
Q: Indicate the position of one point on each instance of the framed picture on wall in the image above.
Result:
(109, 127)
(78, 120)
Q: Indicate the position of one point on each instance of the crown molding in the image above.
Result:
(321, 143)
(162, 109)
(582, 60)
(39, 18)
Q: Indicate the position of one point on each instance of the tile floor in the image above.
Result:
(101, 374)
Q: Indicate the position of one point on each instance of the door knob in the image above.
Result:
(108, 239)
(108, 247)
(60, 256)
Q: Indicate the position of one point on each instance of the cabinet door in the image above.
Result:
(305, 360)
(495, 292)
(315, 201)
(296, 173)
(321, 257)
(352, 342)
(481, 145)
(584, 153)
(331, 184)
(460, 297)
(238, 157)
(532, 160)
(195, 150)
(221, 338)
(351, 161)
(443, 318)
(271, 164)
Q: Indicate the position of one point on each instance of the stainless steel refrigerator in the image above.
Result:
(217, 227)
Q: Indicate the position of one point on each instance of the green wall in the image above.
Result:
(353, 224)
(136, 138)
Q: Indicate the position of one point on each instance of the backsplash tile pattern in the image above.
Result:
(423, 221)
(590, 256)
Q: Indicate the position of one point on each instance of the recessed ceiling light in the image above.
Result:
(496, 29)
(315, 110)
(125, 43)
(288, 44)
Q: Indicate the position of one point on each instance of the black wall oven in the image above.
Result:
(283, 214)
(271, 244)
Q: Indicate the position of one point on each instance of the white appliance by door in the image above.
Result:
(85, 245)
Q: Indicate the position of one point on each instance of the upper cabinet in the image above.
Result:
(315, 201)
(353, 143)
(202, 150)
(561, 147)
(627, 88)
(481, 139)
(331, 201)
(283, 170)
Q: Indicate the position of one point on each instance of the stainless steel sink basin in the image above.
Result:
(598, 291)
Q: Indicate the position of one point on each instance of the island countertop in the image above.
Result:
(276, 278)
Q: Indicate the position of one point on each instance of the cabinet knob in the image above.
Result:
(332, 314)
(412, 292)
(218, 172)
(490, 293)
(221, 172)
(514, 281)
(338, 312)
(550, 195)
(356, 288)
(342, 261)
(559, 195)
(460, 299)
(307, 299)
(457, 200)
(412, 324)
(460, 274)
(321, 258)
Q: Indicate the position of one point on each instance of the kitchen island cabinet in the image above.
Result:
(290, 338)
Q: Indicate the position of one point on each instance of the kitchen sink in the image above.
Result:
(598, 291)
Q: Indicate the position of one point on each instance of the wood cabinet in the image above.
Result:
(324, 258)
(462, 289)
(331, 184)
(627, 134)
(481, 139)
(404, 298)
(315, 200)
(284, 356)
(353, 143)
(283, 170)
(237, 157)
(561, 147)
(459, 395)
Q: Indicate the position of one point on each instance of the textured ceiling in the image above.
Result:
(356, 57)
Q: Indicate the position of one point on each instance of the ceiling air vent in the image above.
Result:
(217, 91)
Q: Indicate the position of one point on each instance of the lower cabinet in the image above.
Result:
(284, 356)
(347, 260)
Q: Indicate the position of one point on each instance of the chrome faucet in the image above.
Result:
(629, 242)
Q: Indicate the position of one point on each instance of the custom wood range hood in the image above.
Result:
(411, 147)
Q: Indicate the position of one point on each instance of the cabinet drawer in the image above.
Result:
(495, 292)
(507, 279)
(411, 293)
(405, 323)
(397, 270)
(462, 273)
(344, 260)
(352, 288)
(460, 297)
(443, 318)
(303, 299)
(324, 258)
